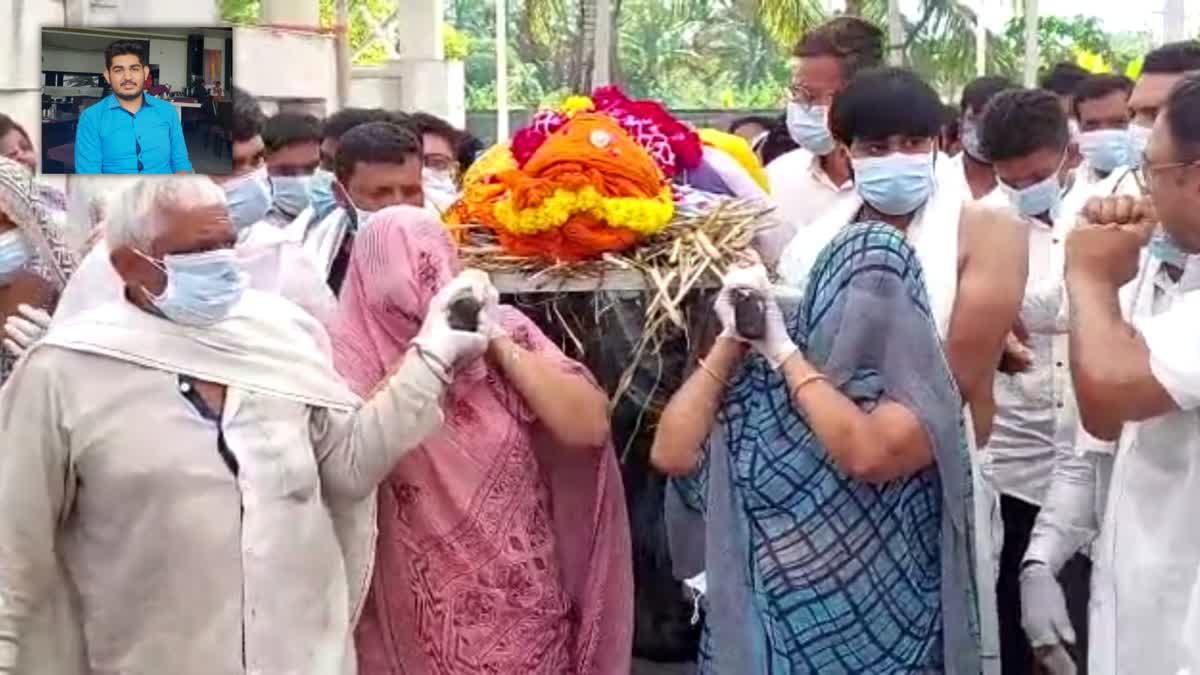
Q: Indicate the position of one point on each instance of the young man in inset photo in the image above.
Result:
(130, 131)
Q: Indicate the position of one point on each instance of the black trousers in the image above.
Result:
(1016, 655)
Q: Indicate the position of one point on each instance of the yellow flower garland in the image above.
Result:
(573, 105)
(645, 216)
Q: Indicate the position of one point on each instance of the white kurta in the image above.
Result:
(803, 193)
(1033, 414)
(1148, 552)
(182, 566)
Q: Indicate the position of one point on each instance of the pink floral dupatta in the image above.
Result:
(497, 553)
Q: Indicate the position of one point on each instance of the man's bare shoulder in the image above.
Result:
(993, 234)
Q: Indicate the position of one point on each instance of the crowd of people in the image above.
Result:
(249, 427)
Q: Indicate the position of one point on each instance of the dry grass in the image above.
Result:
(692, 252)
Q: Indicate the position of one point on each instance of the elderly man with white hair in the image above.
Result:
(189, 456)
(273, 264)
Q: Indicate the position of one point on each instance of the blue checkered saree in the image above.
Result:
(808, 570)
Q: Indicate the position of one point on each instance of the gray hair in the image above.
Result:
(135, 214)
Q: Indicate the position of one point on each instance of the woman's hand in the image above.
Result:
(775, 345)
(437, 338)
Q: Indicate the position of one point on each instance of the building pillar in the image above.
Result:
(290, 13)
(419, 78)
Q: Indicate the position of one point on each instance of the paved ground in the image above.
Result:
(651, 668)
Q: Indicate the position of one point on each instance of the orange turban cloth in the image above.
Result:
(589, 189)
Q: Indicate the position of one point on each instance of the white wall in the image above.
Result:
(71, 60)
(169, 55)
(171, 58)
(262, 55)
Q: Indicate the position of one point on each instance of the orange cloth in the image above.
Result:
(591, 150)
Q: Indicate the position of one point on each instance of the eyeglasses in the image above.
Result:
(802, 95)
(1145, 174)
(137, 146)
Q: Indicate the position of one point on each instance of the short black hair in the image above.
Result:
(287, 128)
(1099, 86)
(1017, 123)
(121, 48)
(978, 92)
(379, 142)
(855, 43)
(885, 102)
(778, 142)
(248, 118)
(8, 124)
(469, 149)
(1183, 118)
(337, 124)
(425, 123)
(1173, 58)
(760, 120)
(1062, 78)
(951, 120)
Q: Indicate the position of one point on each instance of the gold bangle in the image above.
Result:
(807, 380)
(704, 366)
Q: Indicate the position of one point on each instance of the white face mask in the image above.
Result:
(1139, 138)
(1041, 197)
(807, 126)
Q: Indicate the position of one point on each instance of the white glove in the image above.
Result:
(775, 345)
(1043, 607)
(22, 331)
(438, 339)
(489, 315)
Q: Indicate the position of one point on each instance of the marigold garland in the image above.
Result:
(645, 216)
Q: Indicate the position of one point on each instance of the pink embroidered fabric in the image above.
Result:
(497, 553)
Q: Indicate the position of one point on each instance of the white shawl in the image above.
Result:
(267, 346)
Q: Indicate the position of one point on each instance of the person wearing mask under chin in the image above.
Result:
(1137, 382)
(378, 164)
(1026, 135)
(808, 181)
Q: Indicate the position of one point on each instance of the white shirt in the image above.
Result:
(182, 565)
(1033, 417)
(1149, 552)
(802, 191)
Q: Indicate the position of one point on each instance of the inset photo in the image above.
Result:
(136, 100)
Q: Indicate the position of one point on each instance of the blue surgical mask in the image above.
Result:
(14, 254)
(895, 185)
(202, 288)
(320, 194)
(807, 126)
(248, 199)
(1139, 138)
(1163, 247)
(1034, 200)
(1107, 149)
(969, 134)
(289, 194)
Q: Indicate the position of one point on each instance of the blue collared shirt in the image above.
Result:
(108, 138)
